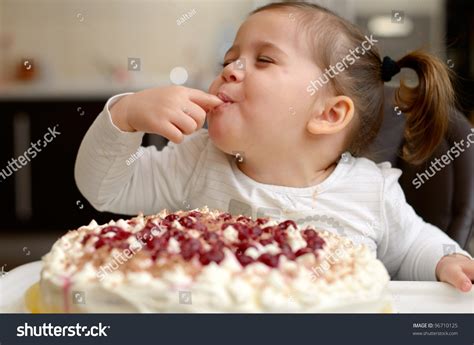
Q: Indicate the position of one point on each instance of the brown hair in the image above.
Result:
(425, 106)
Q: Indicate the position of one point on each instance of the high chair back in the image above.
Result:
(444, 198)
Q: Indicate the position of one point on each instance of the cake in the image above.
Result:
(205, 260)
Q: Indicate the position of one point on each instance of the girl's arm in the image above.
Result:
(410, 248)
(116, 174)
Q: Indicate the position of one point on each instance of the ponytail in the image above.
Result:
(426, 106)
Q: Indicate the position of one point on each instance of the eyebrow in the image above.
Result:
(258, 44)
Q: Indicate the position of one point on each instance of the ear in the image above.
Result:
(336, 115)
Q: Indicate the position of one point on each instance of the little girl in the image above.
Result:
(300, 88)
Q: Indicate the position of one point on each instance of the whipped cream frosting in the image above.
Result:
(338, 276)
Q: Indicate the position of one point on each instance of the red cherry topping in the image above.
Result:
(210, 242)
(214, 255)
(186, 221)
(266, 241)
(315, 243)
(224, 216)
(286, 224)
(269, 259)
(195, 214)
(245, 259)
(171, 217)
(189, 248)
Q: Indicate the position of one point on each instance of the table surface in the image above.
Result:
(408, 296)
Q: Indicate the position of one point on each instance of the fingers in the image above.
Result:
(468, 268)
(204, 100)
(196, 112)
(466, 284)
(184, 122)
(182, 114)
(456, 277)
(169, 131)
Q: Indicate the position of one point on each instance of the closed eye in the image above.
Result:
(260, 59)
(264, 60)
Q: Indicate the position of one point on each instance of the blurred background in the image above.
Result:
(60, 60)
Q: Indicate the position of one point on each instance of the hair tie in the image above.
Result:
(389, 68)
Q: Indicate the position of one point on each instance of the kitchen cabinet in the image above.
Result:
(42, 194)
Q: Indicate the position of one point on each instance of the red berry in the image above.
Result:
(261, 221)
(269, 259)
(243, 230)
(242, 247)
(219, 244)
(266, 241)
(240, 226)
(243, 219)
(145, 233)
(175, 232)
(303, 251)
(315, 242)
(189, 248)
(157, 243)
(224, 216)
(195, 214)
(171, 217)
(166, 235)
(114, 241)
(214, 255)
(86, 238)
(166, 223)
(186, 221)
(286, 250)
(286, 224)
(309, 233)
(180, 236)
(279, 235)
(210, 236)
(119, 232)
(244, 260)
(225, 225)
(109, 229)
(255, 232)
(99, 243)
(199, 226)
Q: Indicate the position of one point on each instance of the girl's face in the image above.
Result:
(268, 70)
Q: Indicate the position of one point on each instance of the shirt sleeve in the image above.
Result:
(116, 174)
(410, 248)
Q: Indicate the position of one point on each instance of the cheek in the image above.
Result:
(214, 86)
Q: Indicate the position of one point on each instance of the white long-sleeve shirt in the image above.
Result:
(360, 199)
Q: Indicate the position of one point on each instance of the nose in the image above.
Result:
(235, 71)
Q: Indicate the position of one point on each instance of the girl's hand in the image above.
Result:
(457, 270)
(168, 111)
